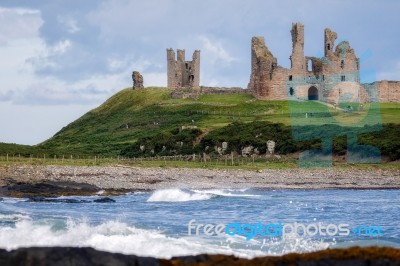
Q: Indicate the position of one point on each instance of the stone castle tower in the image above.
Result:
(181, 73)
(329, 78)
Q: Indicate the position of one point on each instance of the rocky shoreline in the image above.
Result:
(66, 256)
(48, 180)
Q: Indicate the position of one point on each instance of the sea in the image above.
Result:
(177, 222)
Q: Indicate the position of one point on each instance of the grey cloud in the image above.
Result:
(42, 95)
(18, 24)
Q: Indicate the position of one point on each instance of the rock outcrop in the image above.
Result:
(65, 256)
(137, 80)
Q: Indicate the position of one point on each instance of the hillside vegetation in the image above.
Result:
(150, 117)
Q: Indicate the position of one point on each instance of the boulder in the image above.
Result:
(104, 200)
(137, 80)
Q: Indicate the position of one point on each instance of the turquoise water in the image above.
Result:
(156, 223)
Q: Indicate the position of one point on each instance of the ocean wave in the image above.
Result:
(13, 217)
(114, 236)
(177, 195)
(226, 192)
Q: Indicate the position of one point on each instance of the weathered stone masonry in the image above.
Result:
(181, 73)
(329, 79)
(333, 78)
(389, 91)
(137, 79)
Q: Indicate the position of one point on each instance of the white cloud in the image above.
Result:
(155, 79)
(212, 83)
(124, 63)
(60, 47)
(32, 125)
(116, 64)
(215, 49)
(18, 24)
(70, 24)
(69, 55)
(19, 11)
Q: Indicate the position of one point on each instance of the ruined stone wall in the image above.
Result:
(172, 75)
(181, 73)
(383, 91)
(196, 68)
(262, 66)
(342, 60)
(372, 90)
(389, 91)
(137, 79)
(347, 92)
(278, 89)
(222, 90)
(297, 58)
(339, 68)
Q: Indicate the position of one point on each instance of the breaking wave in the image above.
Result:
(114, 236)
(176, 195)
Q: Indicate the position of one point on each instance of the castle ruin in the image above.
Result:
(182, 73)
(137, 79)
(333, 78)
(328, 79)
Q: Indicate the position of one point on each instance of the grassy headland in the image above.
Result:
(150, 117)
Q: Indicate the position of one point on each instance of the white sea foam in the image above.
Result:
(11, 200)
(174, 195)
(226, 192)
(14, 217)
(120, 237)
(100, 192)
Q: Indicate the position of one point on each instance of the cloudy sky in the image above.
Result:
(59, 59)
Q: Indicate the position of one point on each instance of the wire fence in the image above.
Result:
(196, 159)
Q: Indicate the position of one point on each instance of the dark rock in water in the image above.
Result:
(64, 256)
(1, 199)
(36, 199)
(104, 200)
(55, 200)
(47, 189)
(60, 256)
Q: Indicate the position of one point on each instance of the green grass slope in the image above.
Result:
(132, 115)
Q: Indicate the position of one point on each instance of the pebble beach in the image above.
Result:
(121, 177)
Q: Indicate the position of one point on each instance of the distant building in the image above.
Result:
(327, 79)
(182, 73)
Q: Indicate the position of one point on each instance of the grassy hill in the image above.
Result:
(151, 114)
(130, 115)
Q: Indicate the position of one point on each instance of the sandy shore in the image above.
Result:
(132, 178)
